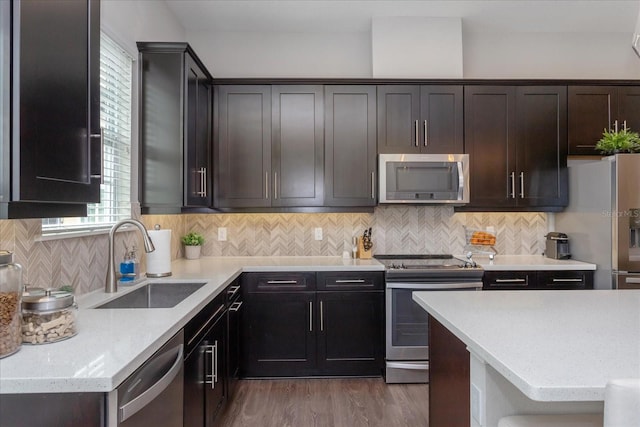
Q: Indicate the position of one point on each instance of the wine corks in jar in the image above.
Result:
(48, 317)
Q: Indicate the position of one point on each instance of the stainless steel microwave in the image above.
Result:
(424, 178)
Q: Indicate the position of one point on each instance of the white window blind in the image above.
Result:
(116, 67)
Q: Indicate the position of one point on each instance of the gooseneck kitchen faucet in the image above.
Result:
(111, 285)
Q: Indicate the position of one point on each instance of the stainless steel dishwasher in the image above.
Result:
(153, 394)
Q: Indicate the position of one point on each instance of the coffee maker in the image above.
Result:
(557, 246)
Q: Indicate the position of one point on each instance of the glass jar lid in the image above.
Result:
(51, 300)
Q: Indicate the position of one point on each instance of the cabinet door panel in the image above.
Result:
(591, 110)
(244, 146)
(59, 100)
(629, 107)
(350, 145)
(298, 146)
(279, 334)
(215, 371)
(489, 141)
(542, 151)
(441, 115)
(398, 116)
(350, 332)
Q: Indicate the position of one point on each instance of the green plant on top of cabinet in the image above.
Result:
(595, 108)
(175, 129)
(350, 145)
(516, 141)
(420, 119)
(52, 163)
(269, 146)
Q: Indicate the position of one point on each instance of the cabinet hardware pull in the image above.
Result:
(373, 185)
(203, 191)
(585, 146)
(513, 185)
(631, 280)
(282, 282)
(615, 125)
(350, 281)
(555, 280)
(235, 307)
(101, 136)
(233, 290)
(275, 185)
(522, 185)
(321, 317)
(426, 138)
(310, 316)
(624, 125)
(215, 364)
(204, 182)
(510, 280)
(266, 185)
(416, 133)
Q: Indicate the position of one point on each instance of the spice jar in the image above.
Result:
(48, 317)
(10, 318)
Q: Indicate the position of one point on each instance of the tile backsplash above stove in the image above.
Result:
(81, 262)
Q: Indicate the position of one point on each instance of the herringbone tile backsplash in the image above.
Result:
(82, 262)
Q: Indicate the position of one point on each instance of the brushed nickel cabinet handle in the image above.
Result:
(321, 317)
(350, 281)
(510, 280)
(556, 280)
(426, 138)
(101, 136)
(266, 185)
(416, 133)
(373, 185)
(282, 282)
(522, 185)
(310, 316)
(275, 185)
(624, 125)
(615, 125)
(513, 185)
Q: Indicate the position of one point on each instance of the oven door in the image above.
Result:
(407, 329)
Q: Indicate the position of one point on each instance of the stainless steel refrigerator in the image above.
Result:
(603, 219)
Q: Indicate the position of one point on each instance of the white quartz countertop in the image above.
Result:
(552, 345)
(112, 343)
(529, 262)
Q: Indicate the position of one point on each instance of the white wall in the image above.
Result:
(272, 54)
(129, 21)
(484, 55)
(550, 55)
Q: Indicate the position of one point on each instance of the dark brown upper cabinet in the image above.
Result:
(420, 119)
(592, 109)
(270, 146)
(175, 129)
(516, 141)
(55, 165)
(350, 145)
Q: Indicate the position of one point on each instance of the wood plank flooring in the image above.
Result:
(327, 403)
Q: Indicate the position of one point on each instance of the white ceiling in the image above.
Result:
(499, 16)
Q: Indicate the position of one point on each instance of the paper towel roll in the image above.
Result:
(159, 261)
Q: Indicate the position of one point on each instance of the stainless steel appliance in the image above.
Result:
(153, 394)
(557, 245)
(407, 340)
(603, 218)
(424, 178)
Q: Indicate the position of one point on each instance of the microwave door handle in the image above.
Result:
(460, 181)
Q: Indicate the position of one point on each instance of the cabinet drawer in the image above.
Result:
(201, 322)
(350, 281)
(278, 282)
(508, 279)
(565, 280)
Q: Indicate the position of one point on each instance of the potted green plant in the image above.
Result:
(623, 141)
(192, 244)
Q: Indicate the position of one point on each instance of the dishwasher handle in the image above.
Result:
(132, 407)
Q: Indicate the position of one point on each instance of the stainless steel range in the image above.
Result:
(407, 340)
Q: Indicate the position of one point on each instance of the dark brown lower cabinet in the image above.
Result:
(53, 409)
(449, 378)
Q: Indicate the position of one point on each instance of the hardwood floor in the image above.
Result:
(327, 403)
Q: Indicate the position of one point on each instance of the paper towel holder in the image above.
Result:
(162, 274)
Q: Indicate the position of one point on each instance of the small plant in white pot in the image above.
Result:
(192, 245)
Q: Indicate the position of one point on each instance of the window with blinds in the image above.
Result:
(116, 68)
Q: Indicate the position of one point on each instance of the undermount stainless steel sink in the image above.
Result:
(155, 295)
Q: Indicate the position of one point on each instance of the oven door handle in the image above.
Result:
(433, 286)
(413, 366)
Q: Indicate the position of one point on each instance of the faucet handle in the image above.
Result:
(156, 227)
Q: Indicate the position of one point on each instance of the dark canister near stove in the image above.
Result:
(557, 246)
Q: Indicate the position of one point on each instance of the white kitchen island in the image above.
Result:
(540, 351)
